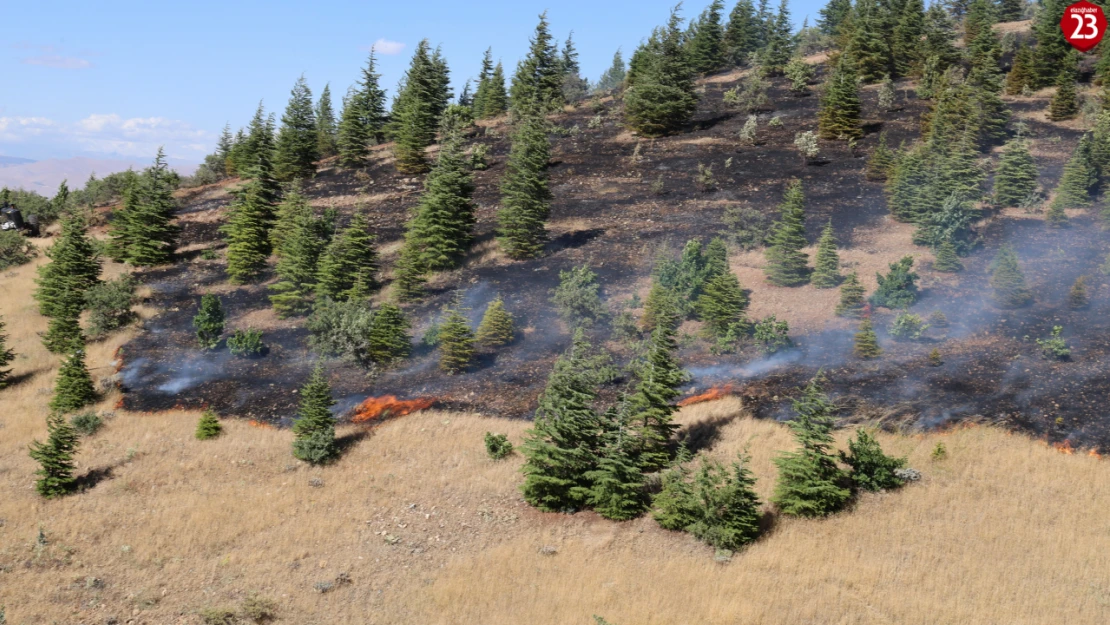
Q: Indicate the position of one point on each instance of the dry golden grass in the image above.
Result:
(430, 531)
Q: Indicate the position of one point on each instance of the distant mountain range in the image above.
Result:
(44, 176)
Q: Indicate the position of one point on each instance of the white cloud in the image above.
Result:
(111, 134)
(387, 47)
(57, 61)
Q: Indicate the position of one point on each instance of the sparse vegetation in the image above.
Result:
(1055, 347)
(246, 343)
(498, 446)
(208, 426)
(209, 321)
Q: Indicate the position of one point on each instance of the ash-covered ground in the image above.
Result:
(606, 213)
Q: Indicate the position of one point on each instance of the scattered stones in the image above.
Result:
(723, 556)
(908, 475)
(548, 550)
(315, 482)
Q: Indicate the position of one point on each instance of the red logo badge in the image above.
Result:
(1083, 25)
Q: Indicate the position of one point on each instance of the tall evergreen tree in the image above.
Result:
(905, 45)
(441, 228)
(409, 275)
(152, 236)
(1063, 105)
(525, 197)
(1011, 10)
(481, 93)
(1016, 176)
(779, 41)
(299, 255)
(496, 328)
(348, 266)
(573, 85)
(248, 229)
(826, 273)
(866, 341)
(742, 35)
(722, 302)
(363, 119)
(728, 506)
(881, 163)
(538, 81)
(1008, 281)
(1078, 179)
(833, 15)
(456, 342)
(497, 98)
(6, 356)
(851, 297)
(416, 110)
(1052, 49)
(661, 95)
(1021, 74)
(314, 428)
(617, 484)
(389, 338)
(810, 481)
(707, 46)
(209, 321)
(947, 260)
(839, 117)
(327, 129)
(651, 413)
(869, 43)
(298, 142)
(63, 283)
(55, 458)
(562, 445)
(257, 146)
(74, 388)
(786, 262)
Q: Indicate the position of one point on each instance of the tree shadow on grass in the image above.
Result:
(704, 434)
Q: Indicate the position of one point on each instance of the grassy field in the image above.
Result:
(416, 525)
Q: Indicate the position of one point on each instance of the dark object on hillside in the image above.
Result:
(12, 219)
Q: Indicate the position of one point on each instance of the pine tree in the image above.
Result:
(1011, 10)
(151, 235)
(778, 41)
(722, 302)
(947, 260)
(833, 15)
(537, 84)
(55, 457)
(257, 146)
(742, 35)
(881, 163)
(496, 328)
(497, 98)
(1055, 216)
(120, 233)
(851, 297)
(481, 93)
(897, 289)
(869, 43)
(728, 506)
(617, 484)
(839, 117)
(560, 448)
(980, 16)
(208, 426)
(706, 49)
(416, 112)
(810, 482)
(651, 412)
(786, 262)
(349, 265)
(871, 469)
(209, 321)
(676, 505)
(299, 255)
(409, 275)
(6, 356)
(1016, 176)
(905, 46)
(661, 97)
(74, 388)
(314, 428)
(441, 228)
(456, 342)
(327, 129)
(826, 273)
(74, 268)
(1008, 281)
(1079, 177)
(1063, 105)
(1077, 296)
(574, 87)
(298, 141)
(248, 229)
(389, 338)
(363, 119)
(1052, 49)
(613, 78)
(1021, 74)
(525, 197)
(866, 341)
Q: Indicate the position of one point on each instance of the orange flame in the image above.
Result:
(1094, 454)
(1064, 447)
(262, 425)
(717, 392)
(388, 406)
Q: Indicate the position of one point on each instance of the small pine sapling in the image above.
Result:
(208, 426)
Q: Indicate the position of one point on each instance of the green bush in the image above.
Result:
(109, 305)
(246, 343)
(771, 334)
(908, 326)
(86, 423)
(745, 227)
(316, 448)
(258, 609)
(576, 298)
(498, 446)
(208, 426)
(209, 321)
(897, 289)
(871, 468)
(15, 249)
(217, 616)
(1055, 347)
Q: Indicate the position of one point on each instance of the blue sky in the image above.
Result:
(118, 78)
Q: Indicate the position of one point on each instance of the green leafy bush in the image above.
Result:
(897, 289)
(771, 334)
(246, 343)
(209, 321)
(576, 298)
(86, 423)
(498, 446)
(15, 249)
(109, 305)
(1055, 347)
(908, 326)
(871, 468)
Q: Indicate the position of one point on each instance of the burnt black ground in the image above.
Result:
(605, 213)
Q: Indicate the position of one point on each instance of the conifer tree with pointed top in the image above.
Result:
(152, 236)
(497, 98)
(55, 458)
(7, 355)
(441, 228)
(661, 96)
(617, 486)
(120, 233)
(722, 302)
(362, 122)
(706, 48)
(1078, 179)
(248, 229)
(1077, 295)
(496, 328)
(728, 507)
(327, 129)
(1016, 176)
(1021, 76)
(651, 413)
(869, 43)
(209, 321)
(481, 92)
(298, 141)
(826, 272)
(574, 87)
(612, 78)
(1055, 216)
(348, 267)
(882, 161)
(409, 275)
(810, 483)
(64, 282)
(74, 388)
(786, 262)
(389, 338)
(1052, 49)
(456, 342)
(314, 427)
(866, 341)
(947, 260)
(525, 197)
(905, 46)
(208, 426)
(742, 34)
(416, 110)
(538, 81)
(297, 267)
(257, 146)
(851, 297)
(839, 117)
(1007, 280)
(1063, 105)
